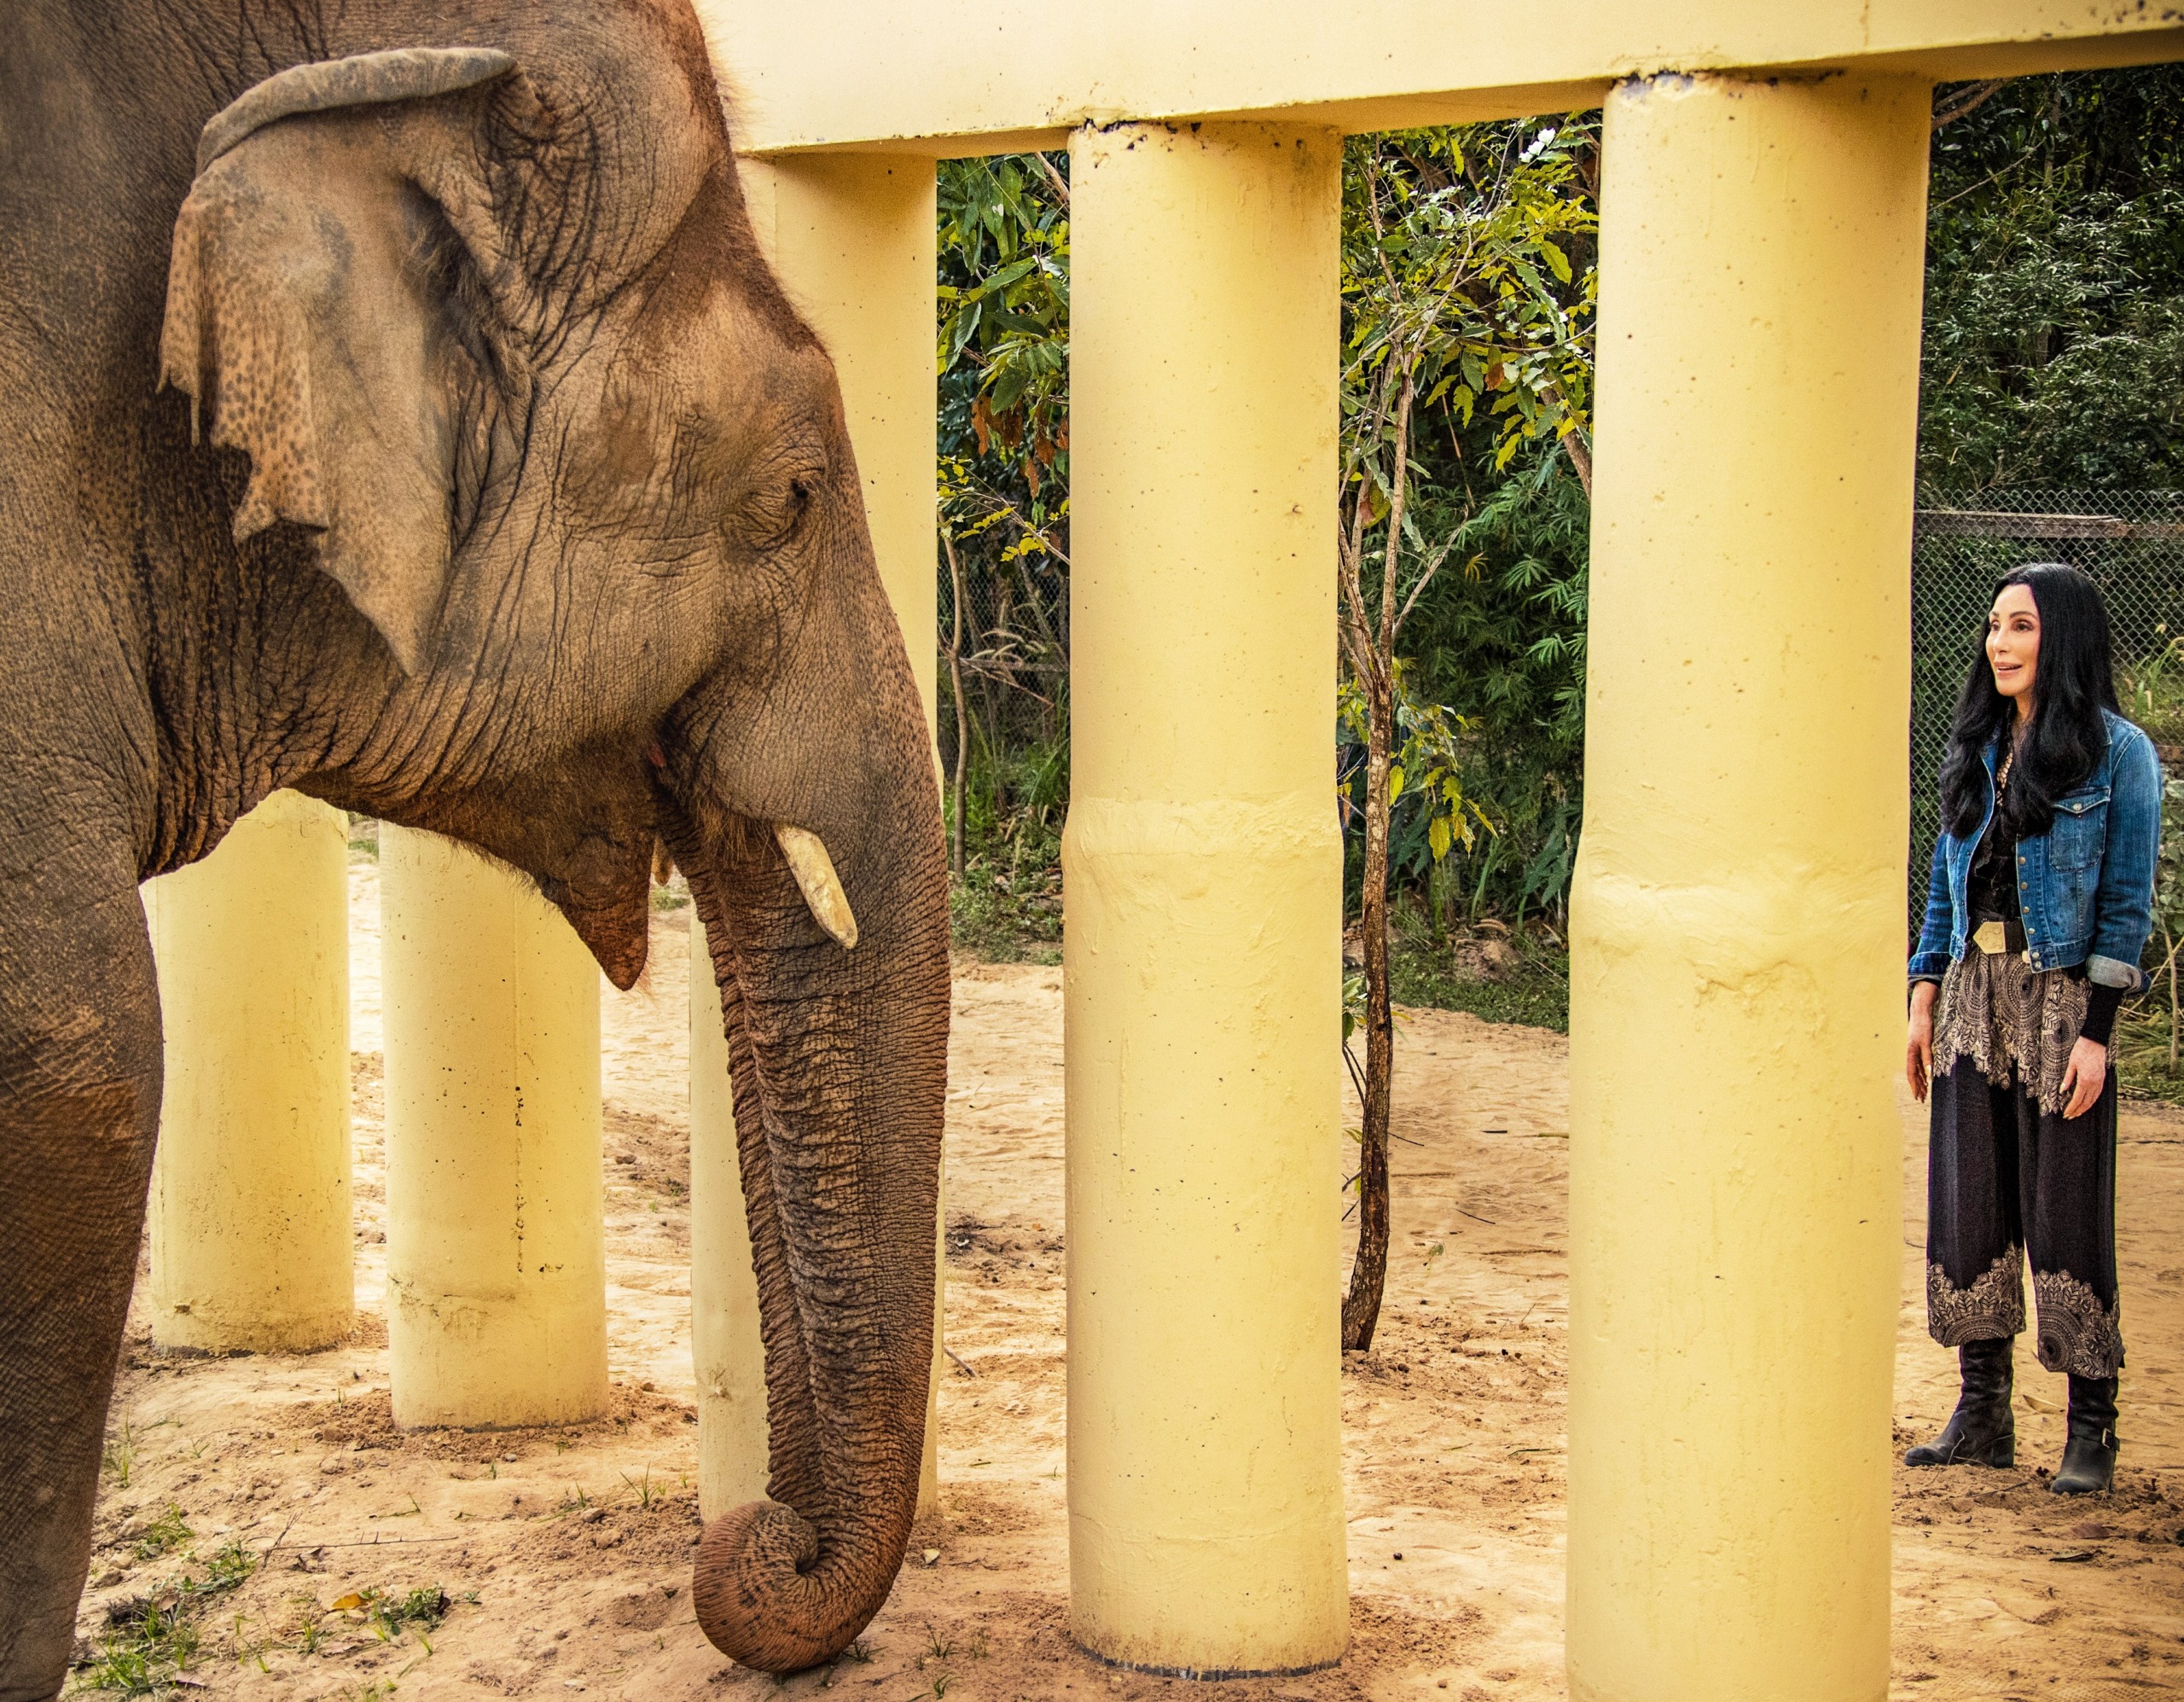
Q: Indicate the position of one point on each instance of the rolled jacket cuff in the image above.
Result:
(2113, 972)
(1928, 966)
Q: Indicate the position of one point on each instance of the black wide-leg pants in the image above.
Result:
(2004, 1180)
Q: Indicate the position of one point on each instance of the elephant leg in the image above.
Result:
(79, 1089)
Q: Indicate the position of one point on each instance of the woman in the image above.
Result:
(2038, 909)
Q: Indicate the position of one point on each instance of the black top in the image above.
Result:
(1993, 896)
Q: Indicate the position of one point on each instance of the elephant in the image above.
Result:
(399, 409)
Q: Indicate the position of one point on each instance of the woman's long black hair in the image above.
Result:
(2072, 682)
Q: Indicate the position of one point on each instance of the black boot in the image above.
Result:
(2089, 1455)
(1981, 1431)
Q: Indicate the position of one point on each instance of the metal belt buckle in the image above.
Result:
(1992, 937)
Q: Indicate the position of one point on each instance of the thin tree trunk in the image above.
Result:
(956, 688)
(1361, 1307)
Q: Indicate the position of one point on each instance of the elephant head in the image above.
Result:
(490, 327)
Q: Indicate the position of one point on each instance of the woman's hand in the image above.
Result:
(1919, 1047)
(2083, 1077)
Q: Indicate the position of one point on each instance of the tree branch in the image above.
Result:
(1398, 491)
(1055, 180)
(1967, 102)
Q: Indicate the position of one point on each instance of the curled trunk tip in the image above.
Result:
(764, 1598)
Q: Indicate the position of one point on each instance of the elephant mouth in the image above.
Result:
(605, 893)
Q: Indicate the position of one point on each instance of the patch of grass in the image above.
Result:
(423, 1607)
(2140, 1044)
(149, 1648)
(1533, 988)
(307, 1623)
(229, 1566)
(363, 839)
(163, 1535)
(120, 1457)
(151, 1641)
(1007, 908)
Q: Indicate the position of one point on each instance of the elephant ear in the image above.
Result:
(311, 320)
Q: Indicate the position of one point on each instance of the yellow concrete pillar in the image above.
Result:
(496, 1257)
(1201, 972)
(851, 238)
(252, 1243)
(725, 1348)
(1737, 995)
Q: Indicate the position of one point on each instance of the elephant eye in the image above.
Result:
(772, 518)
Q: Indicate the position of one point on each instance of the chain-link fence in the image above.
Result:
(2130, 542)
(1015, 654)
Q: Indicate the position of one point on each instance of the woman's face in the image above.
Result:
(2014, 643)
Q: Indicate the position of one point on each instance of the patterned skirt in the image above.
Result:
(2007, 1174)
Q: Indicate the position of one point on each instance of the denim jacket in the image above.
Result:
(2085, 887)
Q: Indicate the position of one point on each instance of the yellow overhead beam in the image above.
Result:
(964, 77)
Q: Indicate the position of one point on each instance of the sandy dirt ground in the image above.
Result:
(564, 1553)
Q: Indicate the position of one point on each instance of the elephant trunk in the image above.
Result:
(839, 1058)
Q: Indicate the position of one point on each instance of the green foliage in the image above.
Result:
(1429, 814)
(1478, 253)
(145, 1653)
(2149, 1035)
(1002, 348)
(1456, 254)
(1502, 643)
(2055, 329)
(119, 1457)
(1004, 322)
(1007, 907)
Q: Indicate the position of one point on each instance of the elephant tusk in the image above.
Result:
(821, 887)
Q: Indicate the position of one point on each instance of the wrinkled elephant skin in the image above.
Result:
(428, 434)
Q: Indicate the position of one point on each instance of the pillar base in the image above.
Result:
(1210, 1674)
(466, 1364)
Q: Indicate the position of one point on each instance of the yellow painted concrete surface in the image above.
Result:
(1737, 988)
(252, 1243)
(850, 74)
(496, 1261)
(725, 1344)
(1200, 974)
(851, 238)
